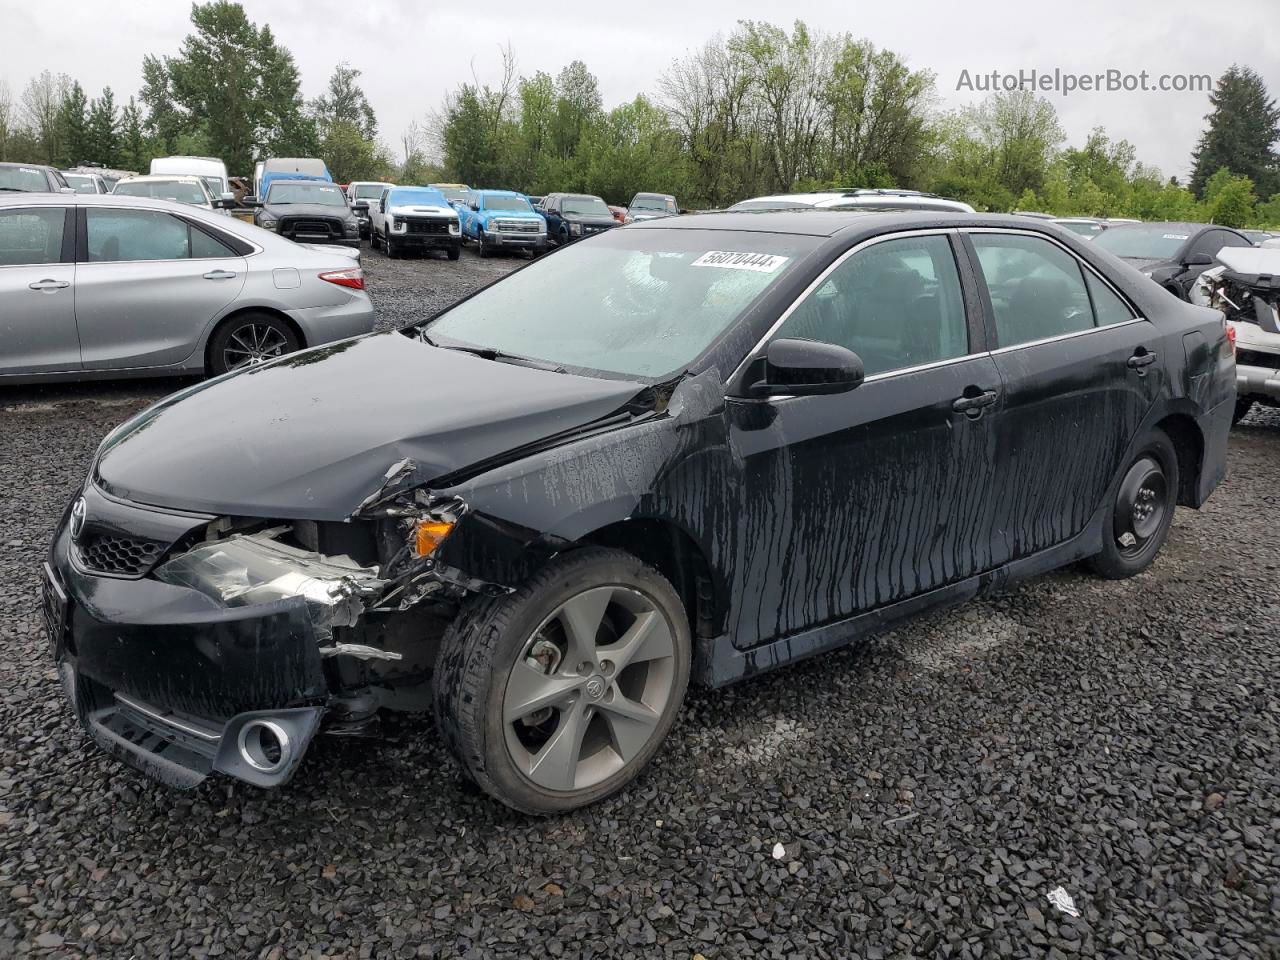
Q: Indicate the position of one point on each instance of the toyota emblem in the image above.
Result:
(78, 512)
(595, 688)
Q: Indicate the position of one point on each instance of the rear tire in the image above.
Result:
(1243, 406)
(558, 695)
(249, 339)
(1142, 512)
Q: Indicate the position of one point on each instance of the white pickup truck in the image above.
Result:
(414, 218)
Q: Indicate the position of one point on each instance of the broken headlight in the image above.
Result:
(256, 568)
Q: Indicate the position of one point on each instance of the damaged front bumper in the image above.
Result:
(227, 652)
(176, 684)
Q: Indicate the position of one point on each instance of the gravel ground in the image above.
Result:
(918, 796)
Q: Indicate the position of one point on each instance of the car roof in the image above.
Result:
(499, 193)
(29, 166)
(828, 223)
(162, 178)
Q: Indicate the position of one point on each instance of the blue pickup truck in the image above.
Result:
(502, 220)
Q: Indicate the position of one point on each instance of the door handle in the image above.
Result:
(219, 275)
(1143, 358)
(49, 284)
(973, 405)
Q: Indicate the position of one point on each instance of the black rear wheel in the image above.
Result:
(1243, 406)
(1142, 512)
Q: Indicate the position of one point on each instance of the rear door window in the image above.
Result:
(1037, 288)
(121, 235)
(31, 235)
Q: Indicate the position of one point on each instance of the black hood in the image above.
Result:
(278, 210)
(312, 435)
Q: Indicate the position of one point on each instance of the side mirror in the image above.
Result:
(474, 206)
(227, 202)
(808, 367)
(1198, 260)
(251, 201)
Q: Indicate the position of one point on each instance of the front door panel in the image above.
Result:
(854, 501)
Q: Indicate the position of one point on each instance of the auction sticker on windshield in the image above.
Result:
(758, 262)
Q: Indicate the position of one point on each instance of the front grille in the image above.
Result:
(1252, 358)
(517, 226)
(430, 226)
(311, 227)
(119, 556)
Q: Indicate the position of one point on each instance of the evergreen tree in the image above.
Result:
(133, 153)
(1242, 133)
(73, 124)
(103, 129)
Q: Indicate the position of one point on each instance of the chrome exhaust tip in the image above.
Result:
(265, 746)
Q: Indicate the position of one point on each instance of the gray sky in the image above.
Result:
(411, 52)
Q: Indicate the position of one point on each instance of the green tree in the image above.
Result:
(162, 121)
(232, 81)
(103, 129)
(1267, 214)
(1244, 126)
(1229, 199)
(134, 152)
(73, 124)
(345, 102)
(351, 156)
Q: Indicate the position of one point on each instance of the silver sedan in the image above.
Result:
(93, 287)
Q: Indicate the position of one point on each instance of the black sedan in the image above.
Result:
(1171, 254)
(692, 450)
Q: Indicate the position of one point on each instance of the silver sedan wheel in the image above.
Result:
(589, 688)
(253, 343)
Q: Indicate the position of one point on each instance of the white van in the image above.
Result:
(209, 169)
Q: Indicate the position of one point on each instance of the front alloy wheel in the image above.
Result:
(557, 695)
(589, 689)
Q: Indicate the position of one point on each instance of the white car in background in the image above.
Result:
(209, 169)
(855, 200)
(192, 191)
(96, 287)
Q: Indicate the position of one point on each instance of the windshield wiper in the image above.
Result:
(493, 353)
(15, 189)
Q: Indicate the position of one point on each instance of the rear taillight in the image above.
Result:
(353, 278)
(1231, 337)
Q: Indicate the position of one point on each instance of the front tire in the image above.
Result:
(558, 695)
(455, 251)
(484, 249)
(1242, 408)
(1142, 513)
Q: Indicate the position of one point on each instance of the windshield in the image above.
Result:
(653, 201)
(1083, 227)
(81, 184)
(1157, 241)
(179, 190)
(420, 197)
(769, 205)
(22, 178)
(507, 203)
(585, 207)
(217, 186)
(638, 304)
(325, 194)
(367, 191)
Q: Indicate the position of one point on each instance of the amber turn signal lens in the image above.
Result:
(429, 534)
